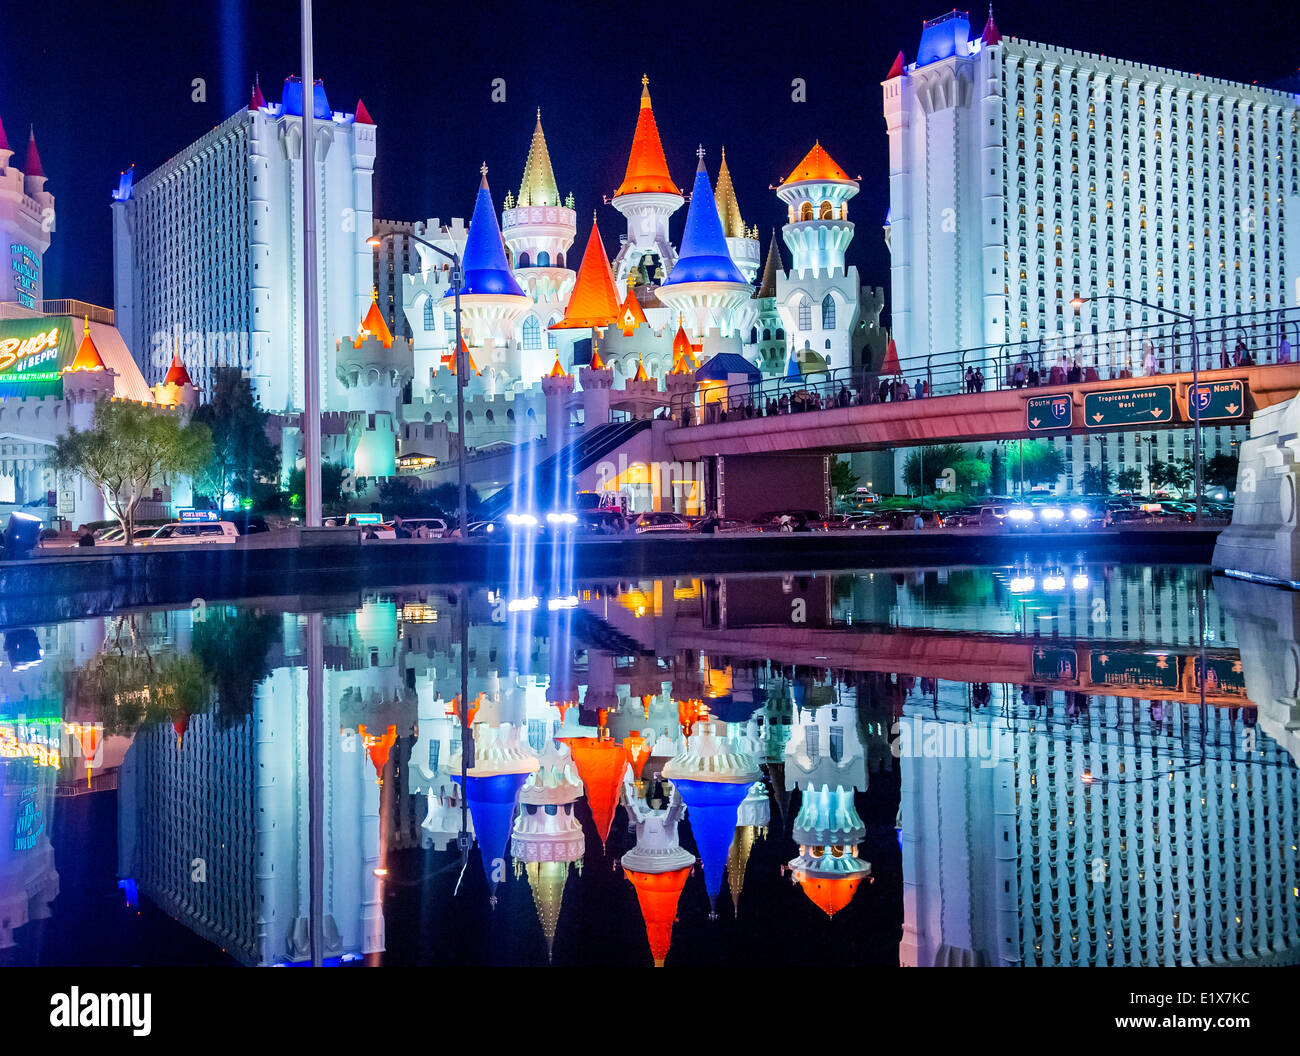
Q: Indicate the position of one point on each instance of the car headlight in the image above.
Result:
(1080, 581)
(1021, 584)
(561, 518)
(1021, 516)
(521, 520)
(1078, 514)
(1052, 514)
(1056, 582)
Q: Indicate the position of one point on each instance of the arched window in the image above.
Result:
(559, 260)
(821, 238)
(806, 211)
(429, 322)
(827, 212)
(449, 322)
(543, 259)
(524, 262)
(780, 333)
(552, 338)
(844, 210)
(767, 334)
(532, 334)
(805, 314)
(753, 335)
(828, 312)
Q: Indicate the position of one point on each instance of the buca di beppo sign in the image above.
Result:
(33, 352)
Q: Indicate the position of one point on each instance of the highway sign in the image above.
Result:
(1149, 405)
(1217, 400)
(1051, 411)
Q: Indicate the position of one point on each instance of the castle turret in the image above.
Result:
(705, 285)
(176, 389)
(26, 221)
(657, 866)
(491, 299)
(647, 197)
(557, 387)
(769, 350)
(741, 241)
(373, 367)
(539, 228)
(86, 380)
(592, 306)
(828, 831)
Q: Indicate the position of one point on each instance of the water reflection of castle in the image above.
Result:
(1104, 828)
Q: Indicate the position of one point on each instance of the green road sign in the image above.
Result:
(1150, 405)
(1055, 665)
(1137, 670)
(1047, 412)
(1217, 400)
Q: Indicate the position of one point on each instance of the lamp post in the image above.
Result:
(311, 441)
(1078, 302)
(457, 279)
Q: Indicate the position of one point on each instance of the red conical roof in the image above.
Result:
(896, 70)
(890, 364)
(180, 724)
(362, 116)
(4, 140)
(991, 34)
(87, 357)
(647, 168)
(257, 100)
(378, 748)
(32, 167)
(593, 302)
(657, 894)
(632, 314)
(176, 373)
(600, 764)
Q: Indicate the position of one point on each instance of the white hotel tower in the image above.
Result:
(207, 248)
(1023, 174)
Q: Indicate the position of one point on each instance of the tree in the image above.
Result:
(973, 474)
(402, 498)
(447, 497)
(1176, 473)
(925, 465)
(843, 479)
(997, 473)
(1096, 480)
(331, 487)
(130, 448)
(1221, 471)
(243, 456)
(1043, 463)
(1129, 480)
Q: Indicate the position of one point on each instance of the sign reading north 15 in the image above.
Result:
(1217, 400)
(1150, 405)
(33, 352)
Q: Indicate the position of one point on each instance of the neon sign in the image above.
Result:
(26, 267)
(37, 349)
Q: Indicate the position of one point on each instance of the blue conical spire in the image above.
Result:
(486, 270)
(704, 257)
(792, 371)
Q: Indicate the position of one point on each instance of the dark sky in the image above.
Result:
(110, 84)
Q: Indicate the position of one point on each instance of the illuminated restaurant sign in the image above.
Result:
(195, 516)
(33, 352)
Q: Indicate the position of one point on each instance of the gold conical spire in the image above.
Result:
(767, 288)
(742, 844)
(538, 186)
(547, 880)
(728, 208)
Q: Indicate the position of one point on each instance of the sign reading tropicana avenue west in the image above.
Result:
(1149, 405)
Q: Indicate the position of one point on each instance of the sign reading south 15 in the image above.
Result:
(26, 267)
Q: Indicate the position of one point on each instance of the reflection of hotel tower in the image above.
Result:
(1165, 856)
(235, 795)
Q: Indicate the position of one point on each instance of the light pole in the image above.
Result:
(311, 443)
(1078, 302)
(457, 278)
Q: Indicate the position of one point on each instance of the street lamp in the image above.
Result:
(457, 278)
(1078, 302)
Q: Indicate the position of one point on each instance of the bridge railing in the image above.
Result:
(1221, 342)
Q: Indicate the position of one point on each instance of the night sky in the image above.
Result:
(110, 84)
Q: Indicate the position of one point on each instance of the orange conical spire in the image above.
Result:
(593, 302)
(374, 324)
(469, 360)
(640, 374)
(378, 748)
(558, 370)
(657, 894)
(87, 357)
(647, 168)
(632, 314)
(600, 764)
(817, 165)
(176, 373)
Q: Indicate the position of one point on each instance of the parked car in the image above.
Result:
(601, 521)
(248, 523)
(411, 526)
(198, 533)
(660, 522)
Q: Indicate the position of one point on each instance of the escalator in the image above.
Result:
(553, 477)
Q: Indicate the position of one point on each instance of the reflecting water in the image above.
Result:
(1059, 764)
